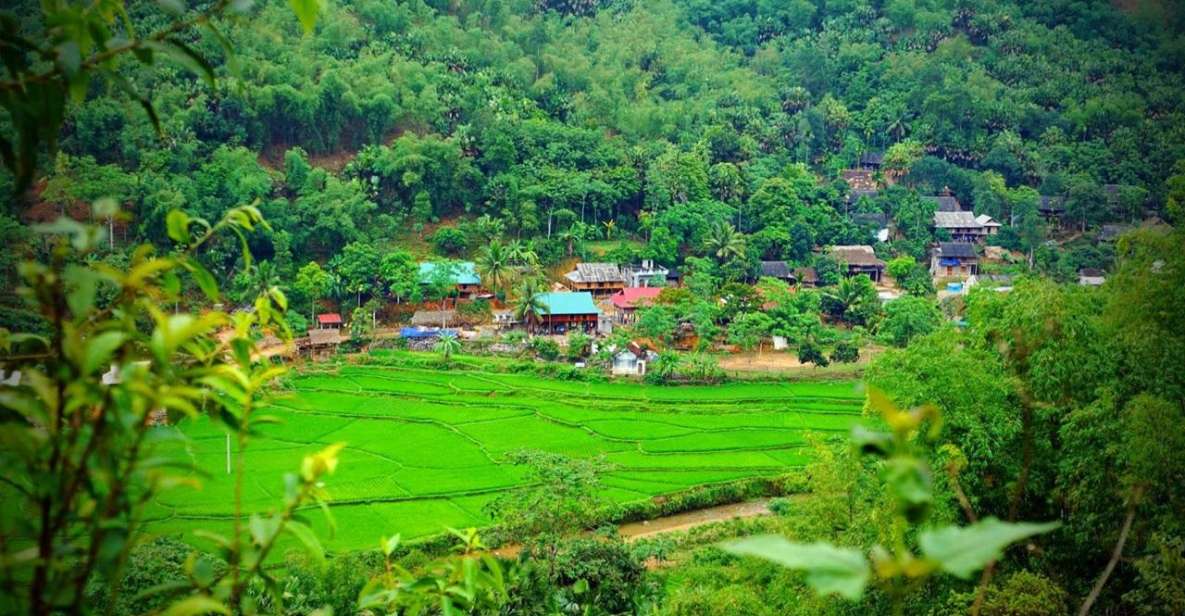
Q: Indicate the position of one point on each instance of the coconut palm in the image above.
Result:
(493, 265)
(725, 242)
(447, 345)
(527, 305)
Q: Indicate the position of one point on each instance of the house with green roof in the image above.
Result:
(563, 311)
(462, 273)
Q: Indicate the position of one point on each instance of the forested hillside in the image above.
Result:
(530, 248)
(561, 121)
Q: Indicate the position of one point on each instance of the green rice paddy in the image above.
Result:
(426, 449)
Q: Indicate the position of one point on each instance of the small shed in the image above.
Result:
(1091, 277)
(329, 320)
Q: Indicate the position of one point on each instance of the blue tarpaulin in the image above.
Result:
(948, 261)
(415, 333)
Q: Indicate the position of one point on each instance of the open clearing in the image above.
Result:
(426, 449)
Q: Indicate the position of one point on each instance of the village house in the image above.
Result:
(989, 224)
(628, 300)
(647, 274)
(860, 260)
(1051, 208)
(872, 160)
(1091, 277)
(632, 360)
(962, 226)
(565, 311)
(952, 259)
(464, 276)
(329, 320)
(596, 278)
(779, 270)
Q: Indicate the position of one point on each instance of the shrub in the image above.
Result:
(449, 241)
(845, 353)
(545, 348)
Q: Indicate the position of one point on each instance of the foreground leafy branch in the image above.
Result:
(953, 550)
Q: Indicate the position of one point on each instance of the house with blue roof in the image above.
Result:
(564, 311)
(462, 273)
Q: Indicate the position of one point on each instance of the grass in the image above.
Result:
(426, 449)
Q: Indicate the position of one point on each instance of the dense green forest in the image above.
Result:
(560, 122)
(316, 163)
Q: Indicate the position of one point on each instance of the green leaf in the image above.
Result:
(172, 7)
(961, 551)
(204, 279)
(829, 569)
(193, 606)
(307, 538)
(98, 350)
(177, 223)
(83, 285)
(306, 11)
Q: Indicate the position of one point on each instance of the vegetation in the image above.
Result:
(427, 450)
(161, 232)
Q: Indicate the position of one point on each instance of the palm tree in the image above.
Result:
(568, 236)
(516, 251)
(610, 228)
(493, 265)
(527, 305)
(447, 345)
(725, 242)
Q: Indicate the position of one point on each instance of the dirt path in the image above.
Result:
(687, 520)
(782, 361)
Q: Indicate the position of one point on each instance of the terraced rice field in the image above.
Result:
(426, 449)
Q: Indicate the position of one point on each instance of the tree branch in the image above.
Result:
(1115, 555)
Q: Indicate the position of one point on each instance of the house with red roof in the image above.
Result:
(629, 299)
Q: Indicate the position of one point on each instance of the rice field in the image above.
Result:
(426, 450)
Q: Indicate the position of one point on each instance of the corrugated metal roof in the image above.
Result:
(561, 303)
(464, 272)
(595, 272)
(632, 297)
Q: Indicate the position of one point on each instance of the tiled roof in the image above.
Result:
(464, 272)
(329, 318)
(956, 250)
(561, 303)
(952, 220)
